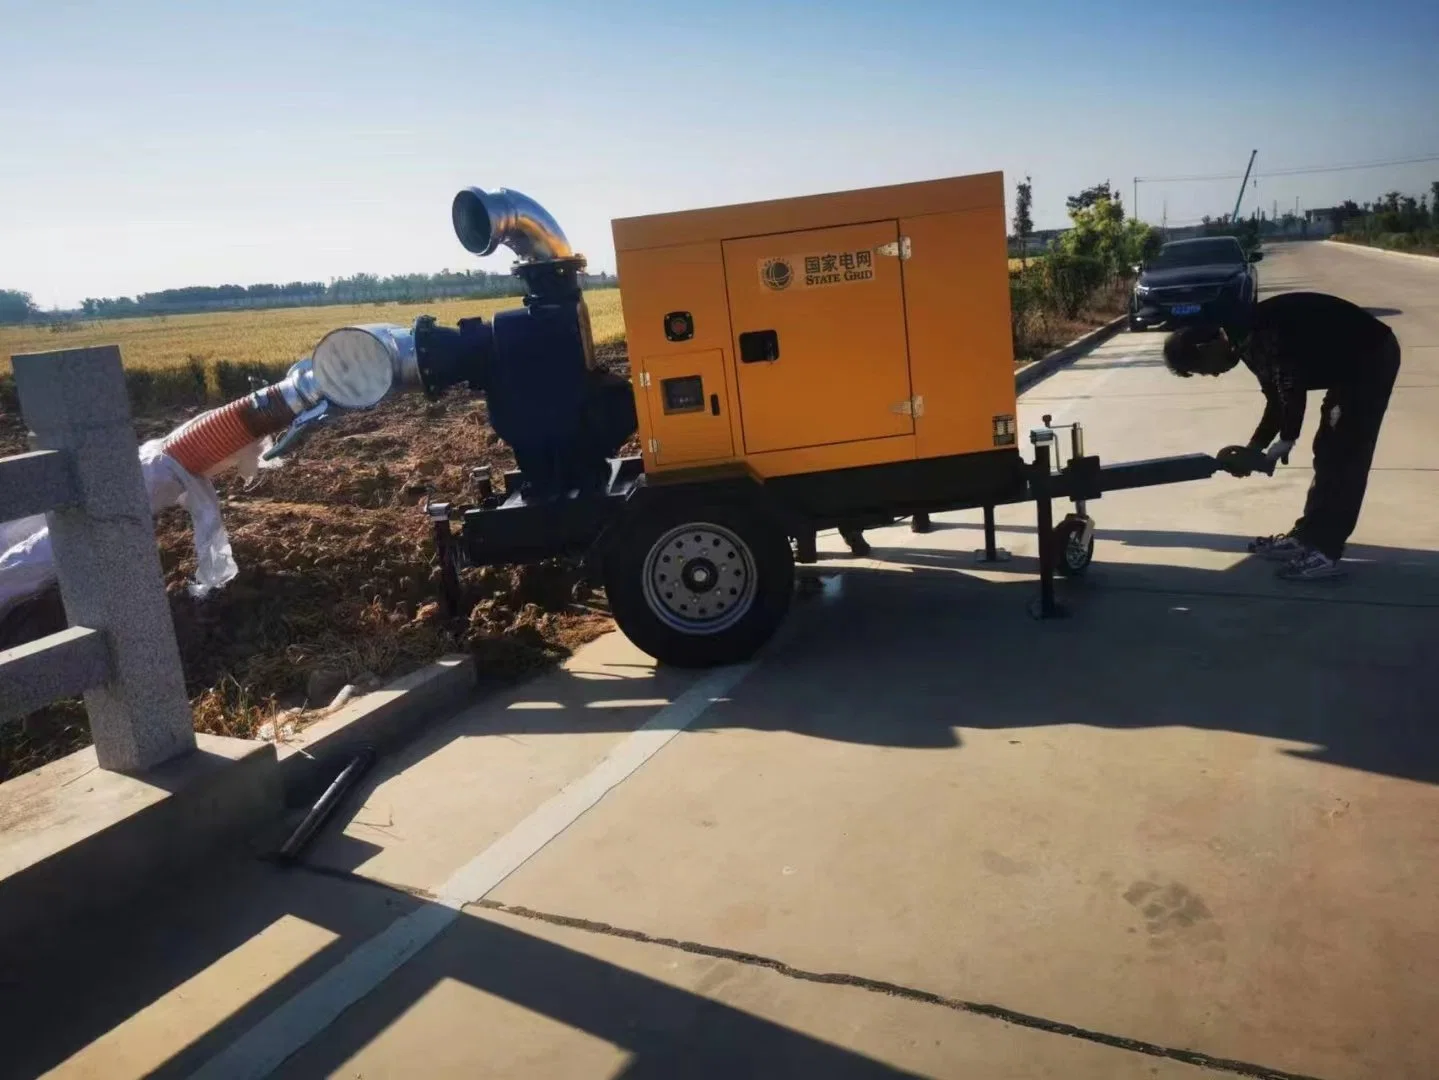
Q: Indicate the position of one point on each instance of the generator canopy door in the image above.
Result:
(820, 344)
(688, 407)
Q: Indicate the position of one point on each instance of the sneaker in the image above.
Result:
(1285, 547)
(1312, 566)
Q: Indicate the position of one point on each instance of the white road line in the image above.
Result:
(290, 1027)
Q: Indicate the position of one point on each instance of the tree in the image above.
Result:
(1091, 195)
(1023, 220)
(1100, 232)
(16, 306)
(1434, 203)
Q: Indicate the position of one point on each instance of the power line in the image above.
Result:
(1306, 170)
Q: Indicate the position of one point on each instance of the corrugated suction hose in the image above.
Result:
(213, 437)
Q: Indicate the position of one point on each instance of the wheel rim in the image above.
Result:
(1076, 554)
(700, 578)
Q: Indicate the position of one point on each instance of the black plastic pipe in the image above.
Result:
(290, 851)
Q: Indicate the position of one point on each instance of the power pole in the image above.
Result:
(1134, 210)
(1234, 217)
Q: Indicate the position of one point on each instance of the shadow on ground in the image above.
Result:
(1343, 669)
(142, 954)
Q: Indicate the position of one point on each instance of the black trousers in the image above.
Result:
(1344, 449)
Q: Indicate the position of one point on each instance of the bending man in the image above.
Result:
(1294, 343)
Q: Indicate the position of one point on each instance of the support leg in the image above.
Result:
(805, 549)
(1045, 607)
(448, 555)
(990, 552)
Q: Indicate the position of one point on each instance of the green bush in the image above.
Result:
(1026, 307)
(1069, 281)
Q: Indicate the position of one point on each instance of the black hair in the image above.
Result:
(1182, 347)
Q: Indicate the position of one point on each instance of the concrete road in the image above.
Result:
(1191, 830)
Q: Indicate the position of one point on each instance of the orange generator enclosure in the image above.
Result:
(827, 332)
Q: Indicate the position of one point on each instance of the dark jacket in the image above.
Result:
(1297, 342)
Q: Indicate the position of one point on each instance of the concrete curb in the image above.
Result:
(79, 839)
(1045, 366)
(383, 719)
(1431, 260)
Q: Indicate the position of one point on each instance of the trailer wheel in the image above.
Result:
(698, 584)
(1072, 555)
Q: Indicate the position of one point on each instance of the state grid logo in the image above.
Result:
(776, 274)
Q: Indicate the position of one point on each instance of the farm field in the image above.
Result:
(266, 338)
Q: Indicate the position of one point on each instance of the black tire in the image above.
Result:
(1070, 560)
(920, 523)
(706, 635)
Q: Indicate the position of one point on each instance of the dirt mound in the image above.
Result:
(390, 456)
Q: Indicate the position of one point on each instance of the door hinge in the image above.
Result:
(654, 446)
(644, 380)
(900, 248)
(910, 406)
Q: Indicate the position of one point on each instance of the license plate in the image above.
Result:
(1184, 309)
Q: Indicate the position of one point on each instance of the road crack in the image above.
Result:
(909, 993)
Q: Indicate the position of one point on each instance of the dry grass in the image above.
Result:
(268, 339)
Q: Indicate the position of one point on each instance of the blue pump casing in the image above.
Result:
(562, 418)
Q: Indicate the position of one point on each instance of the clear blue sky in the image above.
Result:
(154, 144)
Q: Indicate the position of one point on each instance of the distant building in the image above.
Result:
(1324, 220)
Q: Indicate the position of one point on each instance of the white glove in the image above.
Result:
(1279, 450)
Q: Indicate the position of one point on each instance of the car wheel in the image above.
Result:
(697, 584)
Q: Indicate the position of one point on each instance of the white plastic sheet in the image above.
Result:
(171, 485)
(27, 565)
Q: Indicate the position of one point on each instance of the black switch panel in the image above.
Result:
(679, 326)
(683, 394)
(759, 347)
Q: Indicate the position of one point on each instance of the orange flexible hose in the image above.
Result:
(205, 441)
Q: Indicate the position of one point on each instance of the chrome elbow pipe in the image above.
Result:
(486, 220)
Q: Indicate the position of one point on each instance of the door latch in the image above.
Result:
(909, 406)
(896, 249)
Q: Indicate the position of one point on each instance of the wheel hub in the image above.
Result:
(699, 575)
(700, 578)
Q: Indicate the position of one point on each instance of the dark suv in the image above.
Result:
(1207, 278)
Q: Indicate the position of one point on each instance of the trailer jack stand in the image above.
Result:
(1045, 607)
(447, 552)
(990, 553)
